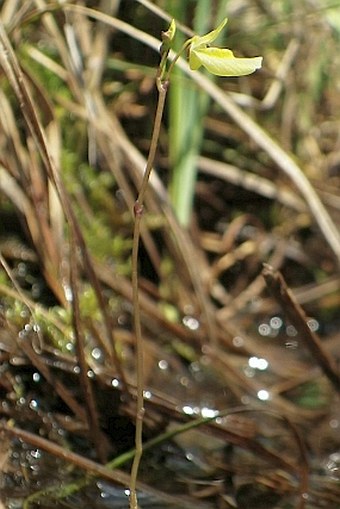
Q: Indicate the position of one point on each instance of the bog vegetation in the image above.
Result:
(199, 325)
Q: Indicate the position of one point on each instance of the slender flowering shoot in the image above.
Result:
(219, 61)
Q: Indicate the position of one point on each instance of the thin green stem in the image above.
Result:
(162, 81)
(138, 211)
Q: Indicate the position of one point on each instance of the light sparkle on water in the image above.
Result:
(258, 363)
(263, 395)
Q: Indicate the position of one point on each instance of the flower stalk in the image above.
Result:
(217, 61)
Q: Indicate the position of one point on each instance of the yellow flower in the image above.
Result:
(219, 61)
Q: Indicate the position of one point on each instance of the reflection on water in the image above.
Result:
(30, 469)
(263, 395)
(195, 462)
(331, 466)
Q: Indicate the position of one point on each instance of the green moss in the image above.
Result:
(312, 395)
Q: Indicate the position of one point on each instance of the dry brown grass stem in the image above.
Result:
(99, 439)
(17, 80)
(298, 318)
(280, 157)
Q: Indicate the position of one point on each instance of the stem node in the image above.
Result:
(138, 209)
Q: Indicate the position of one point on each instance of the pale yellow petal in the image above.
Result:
(194, 61)
(198, 41)
(221, 62)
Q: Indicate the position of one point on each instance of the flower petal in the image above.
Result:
(198, 41)
(221, 62)
(194, 61)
